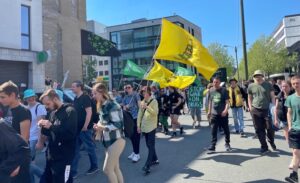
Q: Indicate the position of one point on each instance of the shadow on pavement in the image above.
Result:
(191, 173)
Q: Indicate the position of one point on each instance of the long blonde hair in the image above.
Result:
(101, 88)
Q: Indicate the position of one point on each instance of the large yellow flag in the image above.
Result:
(177, 44)
(166, 78)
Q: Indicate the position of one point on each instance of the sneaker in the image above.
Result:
(293, 178)
(194, 125)
(227, 147)
(264, 151)
(181, 130)
(136, 158)
(92, 171)
(131, 156)
(174, 134)
(146, 170)
(153, 163)
(273, 146)
(243, 134)
(212, 148)
(237, 132)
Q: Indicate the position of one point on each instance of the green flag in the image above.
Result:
(131, 69)
(181, 71)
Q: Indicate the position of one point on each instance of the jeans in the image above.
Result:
(238, 117)
(262, 123)
(86, 138)
(150, 142)
(135, 139)
(34, 169)
(216, 122)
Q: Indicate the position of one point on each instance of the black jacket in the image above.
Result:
(14, 151)
(62, 134)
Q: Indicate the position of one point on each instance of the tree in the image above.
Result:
(89, 74)
(265, 55)
(221, 56)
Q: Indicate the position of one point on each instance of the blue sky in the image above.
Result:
(218, 19)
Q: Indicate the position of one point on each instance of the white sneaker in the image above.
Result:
(136, 158)
(131, 156)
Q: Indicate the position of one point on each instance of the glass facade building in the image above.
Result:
(137, 44)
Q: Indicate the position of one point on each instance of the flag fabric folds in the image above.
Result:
(131, 69)
(166, 78)
(181, 71)
(92, 44)
(177, 44)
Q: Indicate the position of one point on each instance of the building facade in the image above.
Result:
(103, 64)
(137, 41)
(20, 41)
(287, 32)
(62, 22)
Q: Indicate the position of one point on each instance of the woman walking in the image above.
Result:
(147, 124)
(175, 102)
(109, 130)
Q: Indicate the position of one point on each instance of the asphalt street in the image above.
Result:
(185, 160)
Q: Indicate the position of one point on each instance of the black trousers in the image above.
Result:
(135, 139)
(57, 172)
(262, 123)
(150, 142)
(216, 122)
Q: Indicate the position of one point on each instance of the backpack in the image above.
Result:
(128, 124)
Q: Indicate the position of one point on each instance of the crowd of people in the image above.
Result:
(46, 123)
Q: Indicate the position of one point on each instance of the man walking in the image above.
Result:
(21, 116)
(260, 94)
(293, 118)
(82, 104)
(236, 99)
(60, 130)
(218, 113)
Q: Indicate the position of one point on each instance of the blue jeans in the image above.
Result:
(86, 138)
(238, 117)
(34, 169)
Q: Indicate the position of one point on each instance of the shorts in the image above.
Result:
(294, 139)
(176, 111)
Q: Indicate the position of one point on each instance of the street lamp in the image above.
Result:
(236, 59)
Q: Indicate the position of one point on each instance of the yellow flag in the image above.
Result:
(182, 81)
(177, 44)
(159, 74)
(166, 78)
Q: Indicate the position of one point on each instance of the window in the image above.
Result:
(105, 62)
(100, 73)
(100, 62)
(25, 27)
(106, 73)
(193, 32)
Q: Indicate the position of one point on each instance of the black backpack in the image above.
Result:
(128, 123)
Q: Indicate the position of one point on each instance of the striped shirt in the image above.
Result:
(111, 117)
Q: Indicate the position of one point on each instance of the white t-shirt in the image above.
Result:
(36, 111)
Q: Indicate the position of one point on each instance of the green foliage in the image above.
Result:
(221, 56)
(89, 74)
(265, 55)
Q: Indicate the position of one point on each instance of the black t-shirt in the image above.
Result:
(276, 89)
(19, 114)
(80, 104)
(282, 110)
(174, 98)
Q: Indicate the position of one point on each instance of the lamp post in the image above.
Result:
(236, 59)
(244, 38)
